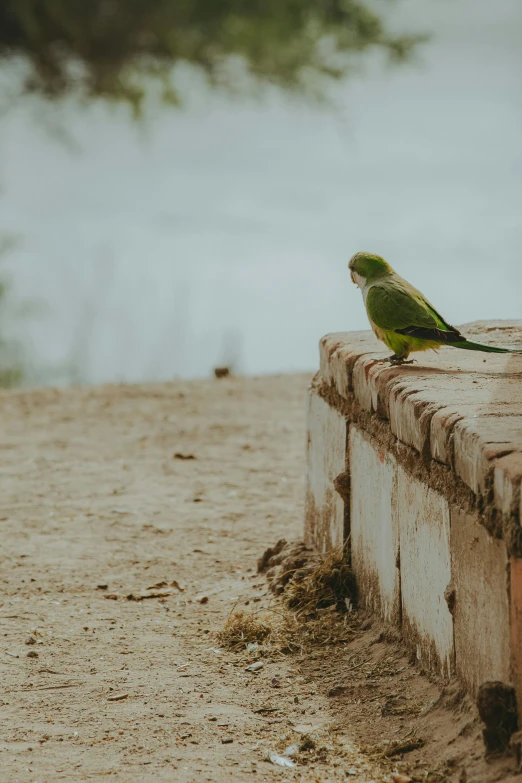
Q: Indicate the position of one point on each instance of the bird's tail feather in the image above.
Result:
(467, 345)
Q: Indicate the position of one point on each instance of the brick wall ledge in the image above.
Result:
(459, 409)
(420, 467)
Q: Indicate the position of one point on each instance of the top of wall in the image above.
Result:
(461, 408)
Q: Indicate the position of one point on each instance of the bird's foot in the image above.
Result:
(397, 361)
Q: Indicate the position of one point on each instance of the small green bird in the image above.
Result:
(400, 316)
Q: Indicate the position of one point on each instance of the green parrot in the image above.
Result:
(400, 316)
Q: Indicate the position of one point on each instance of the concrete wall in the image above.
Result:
(481, 582)
(326, 460)
(430, 457)
(374, 526)
(425, 565)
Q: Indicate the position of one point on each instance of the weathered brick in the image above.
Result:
(478, 441)
(507, 478)
(338, 354)
(374, 528)
(481, 610)
(326, 459)
(425, 563)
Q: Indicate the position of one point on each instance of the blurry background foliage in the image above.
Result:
(121, 50)
(115, 49)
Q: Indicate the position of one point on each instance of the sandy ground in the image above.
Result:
(109, 492)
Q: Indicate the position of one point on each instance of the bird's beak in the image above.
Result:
(354, 281)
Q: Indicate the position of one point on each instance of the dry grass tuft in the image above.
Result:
(244, 628)
(266, 634)
(317, 595)
(328, 584)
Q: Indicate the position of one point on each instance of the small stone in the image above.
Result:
(202, 599)
(255, 667)
(32, 654)
(338, 690)
(227, 740)
(398, 778)
(30, 640)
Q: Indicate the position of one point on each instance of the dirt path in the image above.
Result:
(109, 492)
(93, 495)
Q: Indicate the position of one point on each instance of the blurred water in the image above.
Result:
(223, 233)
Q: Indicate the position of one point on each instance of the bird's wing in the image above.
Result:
(392, 306)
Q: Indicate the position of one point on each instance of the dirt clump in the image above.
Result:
(281, 563)
(496, 703)
(308, 579)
